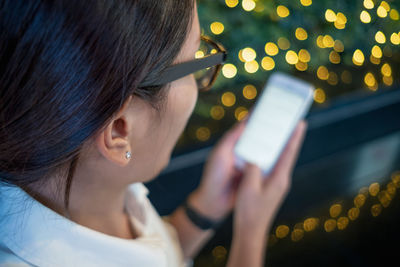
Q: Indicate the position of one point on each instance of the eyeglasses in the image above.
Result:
(205, 69)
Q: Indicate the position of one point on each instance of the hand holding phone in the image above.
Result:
(284, 101)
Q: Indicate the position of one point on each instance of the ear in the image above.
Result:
(113, 142)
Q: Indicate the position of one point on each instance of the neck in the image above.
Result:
(92, 203)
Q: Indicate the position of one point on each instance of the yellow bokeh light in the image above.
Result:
(219, 252)
(228, 99)
(306, 2)
(369, 79)
(373, 189)
(217, 27)
(301, 66)
(304, 56)
(333, 78)
(376, 51)
(229, 70)
(240, 55)
(282, 11)
(217, 112)
(353, 213)
(323, 73)
(310, 224)
(339, 26)
(240, 113)
(330, 15)
(268, 63)
(248, 5)
(341, 18)
(319, 95)
(271, 49)
(359, 200)
(376, 209)
(358, 57)
(249, 54)
(251, 66)
(374, 60)
(291, 57)
(394, 14)
(385, 5)
(387, 80)
(203, 133)
(249, 91)
(384, 198)
(381, 12)
(395, 38)
(282, 231)
(301, 34)
(330, 225)
(335, 210)
(365, 17)
(328, 41)
(334, 57)
(283, 43)
(320, 41)
(369, 4)
(342, 223)
(338, 46)
(380, 37)
(231, 3)
(297, 234)
(199, 54)
(386, 70)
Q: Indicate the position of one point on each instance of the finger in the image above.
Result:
(289, 156)
(252, 176)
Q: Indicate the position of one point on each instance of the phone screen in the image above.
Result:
(270, 125)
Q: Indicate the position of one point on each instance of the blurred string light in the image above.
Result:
(301, 34)
(231, 3)
(217, 112)
(248, 5)
(203, 133)
(240, 113)
(306, 2)
(369, 4)
(271, 49)
(229, 70)
(384, 198)
(268, 63)
(358, 57)
(217, 27)
(228, 99)
(283, 43)
(291, 57)
(249, 92)
(380, 37)
(365, 17)
(282, 11)
(319, 95)
(251, 66)
(395, 38)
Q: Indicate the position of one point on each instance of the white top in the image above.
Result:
(33, 235)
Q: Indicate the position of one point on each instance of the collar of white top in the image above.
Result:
(42, 237)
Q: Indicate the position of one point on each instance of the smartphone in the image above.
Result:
(284, 101)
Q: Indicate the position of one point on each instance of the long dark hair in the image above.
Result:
(67, 66)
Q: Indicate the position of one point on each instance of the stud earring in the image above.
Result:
(128, 155)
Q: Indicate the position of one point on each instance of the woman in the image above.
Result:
(89, 110)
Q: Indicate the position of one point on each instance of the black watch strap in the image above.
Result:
(198, 219)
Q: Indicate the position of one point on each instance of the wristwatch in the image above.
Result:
(201, 221)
